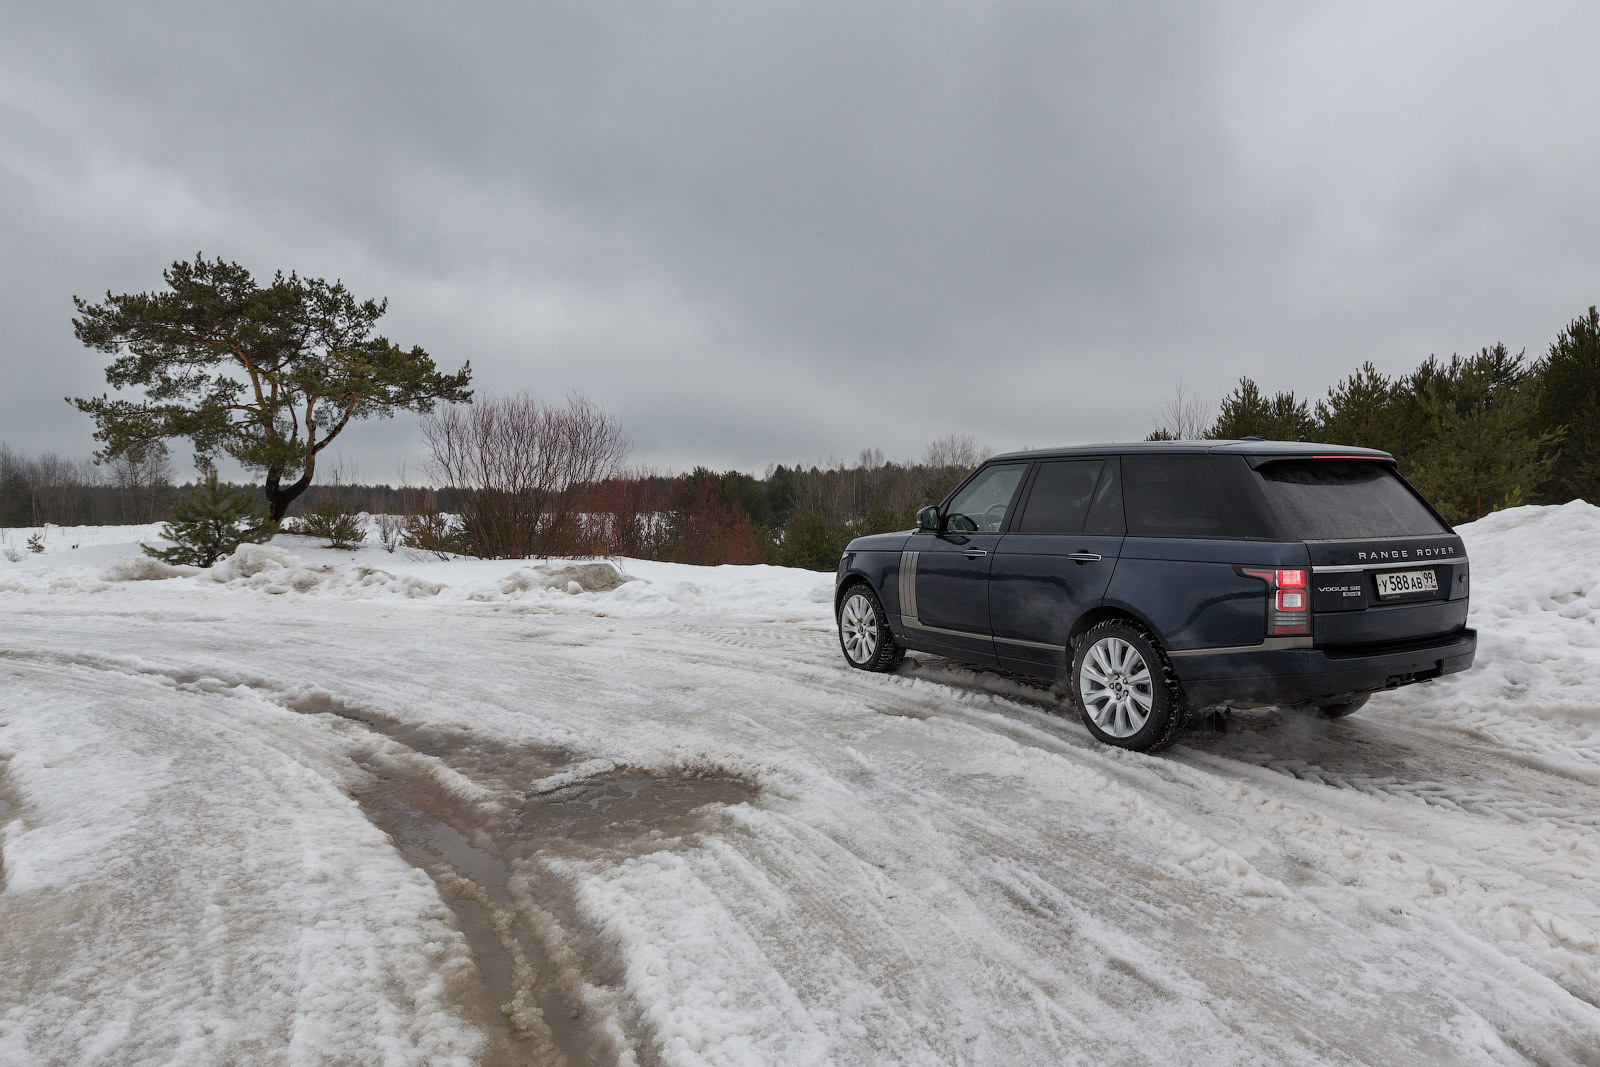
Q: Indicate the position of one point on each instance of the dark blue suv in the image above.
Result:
(1169, 576)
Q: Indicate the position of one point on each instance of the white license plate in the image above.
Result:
(1406, 583)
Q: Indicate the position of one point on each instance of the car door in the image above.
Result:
(947, 573)
(1056, 561)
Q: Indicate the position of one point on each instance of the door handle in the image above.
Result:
(1084, 557)
(976, 553)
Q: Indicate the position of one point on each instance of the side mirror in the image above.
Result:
(928, 520)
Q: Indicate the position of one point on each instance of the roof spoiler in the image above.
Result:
(1257, 462)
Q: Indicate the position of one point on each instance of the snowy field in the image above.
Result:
(354, 808)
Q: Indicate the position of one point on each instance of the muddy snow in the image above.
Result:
(353, 807)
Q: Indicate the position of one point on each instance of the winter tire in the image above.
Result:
(864, 635)
(1342, 708)
(1125, 689)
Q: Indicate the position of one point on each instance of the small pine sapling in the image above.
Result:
(334, 523)
(211, 522)
(36, 543)
(430, 530)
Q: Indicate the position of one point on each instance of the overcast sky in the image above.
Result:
(764, 232)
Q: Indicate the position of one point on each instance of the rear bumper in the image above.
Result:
(1292, 676)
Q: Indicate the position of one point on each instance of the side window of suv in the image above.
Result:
(1175, 496)
(1059, 501)
(981, 505)
(1105, 514)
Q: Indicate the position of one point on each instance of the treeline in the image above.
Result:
(525, 478)
(35, 490)
(51, 489)
(794, 516)
(1474, 433)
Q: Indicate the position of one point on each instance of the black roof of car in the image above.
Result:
(1237, 448)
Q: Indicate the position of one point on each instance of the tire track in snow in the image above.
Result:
(1569, 948)
(1564, 947)
(153, 951)
(1116, 758)
(8, 807)
(520, 919)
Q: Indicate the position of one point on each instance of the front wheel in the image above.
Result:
(864, 633)
(1125, 691)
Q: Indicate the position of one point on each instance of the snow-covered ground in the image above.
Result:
(324, 807)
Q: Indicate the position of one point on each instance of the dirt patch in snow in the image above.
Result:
(551, 991)
(143, 569)
(566, 577)
(7, 811)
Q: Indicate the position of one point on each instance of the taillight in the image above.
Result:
(1288, 611)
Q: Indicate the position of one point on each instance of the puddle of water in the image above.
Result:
(430, 843)
(621, 807)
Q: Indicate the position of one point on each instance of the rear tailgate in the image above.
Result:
(1385, 568)
(1349, 608)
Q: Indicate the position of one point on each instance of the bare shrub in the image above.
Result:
(391, 528)
(143, 480)
(523, 467)
(630, 515)
(1182, 417)
(957, 451)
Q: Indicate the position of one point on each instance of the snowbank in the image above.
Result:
(1536, 607)
(99, 559)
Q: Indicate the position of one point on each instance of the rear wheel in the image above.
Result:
(864, 633)
(1125, 690)
(1340, 709)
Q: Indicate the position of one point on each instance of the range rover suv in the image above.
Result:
(1168, 576)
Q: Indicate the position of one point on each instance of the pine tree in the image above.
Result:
(1568, 395)
(813, 541)
(1480, 451)
(332, 521)
(268, 374)
(1246, 412)
(1360, 410)
(211, 522)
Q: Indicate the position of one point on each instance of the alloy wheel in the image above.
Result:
(858, 628)
(1116, 687)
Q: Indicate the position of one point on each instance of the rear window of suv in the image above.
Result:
(1329, 499)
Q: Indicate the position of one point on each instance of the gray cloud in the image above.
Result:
(767, 232)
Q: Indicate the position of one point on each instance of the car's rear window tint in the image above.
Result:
(1176, 496)
(1328, 499)
(1059, 501)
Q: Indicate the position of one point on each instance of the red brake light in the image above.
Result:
(1288, 612)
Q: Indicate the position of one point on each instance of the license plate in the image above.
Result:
(1406, 583)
